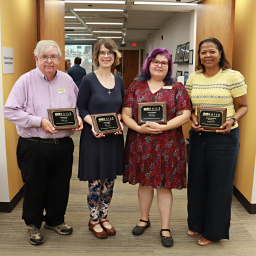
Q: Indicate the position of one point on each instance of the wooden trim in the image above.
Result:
(40, 19)
(251, 208)
(232, 27)
(51, 24)
(8, 207)
(141, 58)
(221, 14)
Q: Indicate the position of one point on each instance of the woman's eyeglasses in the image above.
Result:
(157, 62)
(109, 54)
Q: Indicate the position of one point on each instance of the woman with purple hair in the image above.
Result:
(154, 153)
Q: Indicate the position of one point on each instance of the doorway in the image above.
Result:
(129, 66)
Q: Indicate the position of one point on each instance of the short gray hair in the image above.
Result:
(46, 45)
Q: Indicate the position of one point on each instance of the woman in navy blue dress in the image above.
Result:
(101, 157)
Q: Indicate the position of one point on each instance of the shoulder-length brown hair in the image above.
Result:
(224, 63)
(109, 44)
(66, 63)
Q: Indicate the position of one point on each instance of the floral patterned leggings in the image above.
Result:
(99, 197)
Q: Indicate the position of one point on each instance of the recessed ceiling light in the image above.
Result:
(104, 23)
(163, 3)
(98, 10)
(78, 34)
(75, 28)
(96, 2)
(118, 32)
(72, 23)
(86, 39)
(109, 37)
(70, 17)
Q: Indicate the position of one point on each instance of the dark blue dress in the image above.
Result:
(101, 158)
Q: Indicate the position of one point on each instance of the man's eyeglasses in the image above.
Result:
(157, 62)
(109, 54)
(52, 58)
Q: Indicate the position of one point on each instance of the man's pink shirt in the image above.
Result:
(30, 98)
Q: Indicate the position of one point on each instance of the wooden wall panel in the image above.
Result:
(215, 18)
(51, 23)
(18, 31)
(244, 62)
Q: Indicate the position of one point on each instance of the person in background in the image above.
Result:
(77, 72)
(213, 154)
(155, 153)
(101, 157)
(67, 65)
(115, 71)
(44, 155)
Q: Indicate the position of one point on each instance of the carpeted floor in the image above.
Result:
(124, 215)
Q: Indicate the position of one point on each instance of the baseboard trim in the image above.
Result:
(251, 208)
(8, 207)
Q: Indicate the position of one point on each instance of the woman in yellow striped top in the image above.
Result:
(213, 154)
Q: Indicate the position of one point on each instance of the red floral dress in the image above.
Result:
(156, 160)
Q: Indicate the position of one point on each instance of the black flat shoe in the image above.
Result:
(139, 230)
(166, 241)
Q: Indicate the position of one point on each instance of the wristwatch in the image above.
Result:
(235, 121)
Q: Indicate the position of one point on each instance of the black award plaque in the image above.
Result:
(63, 118)
(211, 118)
(152, 112)
(106, 123)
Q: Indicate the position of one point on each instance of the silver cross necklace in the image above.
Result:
(109, 92)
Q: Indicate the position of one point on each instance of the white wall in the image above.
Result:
(149, 46)
(180, 29)
(4, 189)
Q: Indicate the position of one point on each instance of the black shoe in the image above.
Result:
(139, 230)
(166, 241)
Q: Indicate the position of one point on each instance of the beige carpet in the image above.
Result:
(124, 215)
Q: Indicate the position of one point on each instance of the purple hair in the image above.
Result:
(145, 74)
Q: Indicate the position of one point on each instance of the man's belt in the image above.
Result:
(50, 141)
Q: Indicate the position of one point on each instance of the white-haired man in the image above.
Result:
(44, 155)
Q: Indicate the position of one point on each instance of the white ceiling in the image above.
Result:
(138, 20)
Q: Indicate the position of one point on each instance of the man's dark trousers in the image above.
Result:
(46, 170)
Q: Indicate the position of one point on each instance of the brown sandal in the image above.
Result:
(101, 234)
(192, 233)
(110, 231)
(202, 241)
